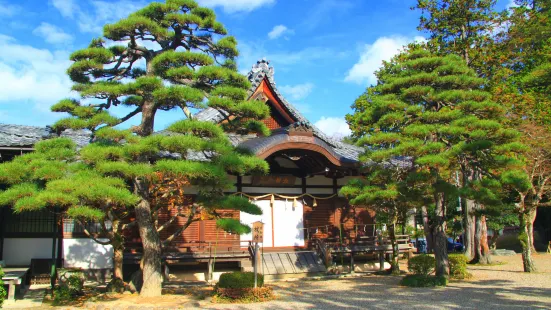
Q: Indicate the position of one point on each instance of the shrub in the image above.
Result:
(422, 264)
(417, 280)
(2, 290)
(68, 289)
(239, 279)
(458, 266)
(244, 294)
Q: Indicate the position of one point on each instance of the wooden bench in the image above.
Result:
(13, 277)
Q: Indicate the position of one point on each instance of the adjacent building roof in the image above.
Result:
(21, 136)
(263, 71)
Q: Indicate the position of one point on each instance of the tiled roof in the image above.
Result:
(27, 136)
(263, 70)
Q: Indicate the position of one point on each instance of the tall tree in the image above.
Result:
(434, 110)
(166, 56)
(466, 28)
(523, 87)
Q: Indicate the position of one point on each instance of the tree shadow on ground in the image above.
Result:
(379, 292)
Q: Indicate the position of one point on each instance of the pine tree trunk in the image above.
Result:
(532, 218)
(527, 261)
(440, 240)
(151, 243)
(118, 254)
(427, 229)
(482, 250)
(469, 227)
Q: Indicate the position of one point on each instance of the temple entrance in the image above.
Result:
(283, 224)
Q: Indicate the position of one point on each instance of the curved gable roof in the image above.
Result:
(262, 71)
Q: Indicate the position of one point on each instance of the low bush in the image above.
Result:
(422, 264)
(243, 295)
(239, 279)
(2, 290)
(68, 289)
(417, 280)
(458, 266)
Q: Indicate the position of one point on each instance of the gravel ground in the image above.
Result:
(502, 286)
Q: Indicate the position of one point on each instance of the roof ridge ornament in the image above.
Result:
(260, 69)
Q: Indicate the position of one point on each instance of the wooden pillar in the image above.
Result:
(54, 243)
(2, 228)
(303, 185)
(239, 184)
(60, 243)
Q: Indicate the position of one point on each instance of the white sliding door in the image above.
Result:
(287, 220)
(288, 224)
(265, 218)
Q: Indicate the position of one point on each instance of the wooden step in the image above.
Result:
(291, 263)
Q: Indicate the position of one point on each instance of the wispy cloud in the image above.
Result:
(234, 6)
(67, 8)
(323, 11)
(52, 34)
(100, 13)
(297, 92)
(373, 55)
(278, 31)
(8, 10)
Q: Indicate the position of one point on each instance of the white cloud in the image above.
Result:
(297, 92)
(67, 8)
(372, 56)
(233, 6)
(333, 126)
(278, 31)
(36, 76)
(52, 34)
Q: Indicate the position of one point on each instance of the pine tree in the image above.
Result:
(523, 87)
(166, 56)
(434, 110)
(386, 190)
(466, 28)
(53, 178)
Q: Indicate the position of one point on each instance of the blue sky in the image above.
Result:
(324, 51)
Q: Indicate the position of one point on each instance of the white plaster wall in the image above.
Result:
(87, 254)
(20, 251)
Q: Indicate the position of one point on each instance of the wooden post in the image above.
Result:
(256, 258)
(381, 253)
(351, 262)
(209, 272)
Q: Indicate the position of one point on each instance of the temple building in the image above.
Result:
(299, 199)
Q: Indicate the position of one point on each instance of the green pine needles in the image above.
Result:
(171, 56)
(435, 113)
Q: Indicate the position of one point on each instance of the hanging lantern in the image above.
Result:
(315, 204)
(272, 200)
(295, 203)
